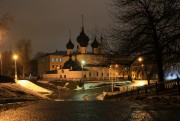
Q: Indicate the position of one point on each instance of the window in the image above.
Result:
(60, 76)
(60, 60)
(64, 76)
(97, 74)
(62, 71)
(89, 74)
(52, 66)
(60, 66)
(102, 74)
(52, 59)
(56, 59)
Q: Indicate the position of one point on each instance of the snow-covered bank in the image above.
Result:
(23, 90)
(31, 86)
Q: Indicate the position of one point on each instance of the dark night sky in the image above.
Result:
(47, 22)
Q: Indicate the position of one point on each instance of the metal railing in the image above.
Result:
(166, 88)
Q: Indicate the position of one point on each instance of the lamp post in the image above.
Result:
(110, 78)
(15, 58)
(82, 63)
(140, 59)
(1, 64)
(116, 72)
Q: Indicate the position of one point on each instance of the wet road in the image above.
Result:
(79, 95)
(91, 111)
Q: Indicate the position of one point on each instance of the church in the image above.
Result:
(77, 64)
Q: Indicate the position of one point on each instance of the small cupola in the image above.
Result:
(70, 45)
(95, 46)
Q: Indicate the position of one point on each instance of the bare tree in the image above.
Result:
(4, 20)
(148, 28)
(24, 51)
(34, 63)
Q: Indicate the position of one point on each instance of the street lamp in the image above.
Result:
(1, 64)
(140, 59)
(110, 78)
(82, 63)
(109, 72)
(15, 58)
(116, 72)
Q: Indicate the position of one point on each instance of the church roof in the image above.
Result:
(95, 44)
(61, 53)
(73, 65)
(70, 45)
(83, 39)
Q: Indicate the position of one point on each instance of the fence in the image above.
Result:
(77, 79)
(166, 88)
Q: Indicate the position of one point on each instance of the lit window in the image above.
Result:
(52, 59)
(56, 59)
(60, 59)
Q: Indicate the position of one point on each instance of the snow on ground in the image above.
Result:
(31, 86)
(22, 90)
(13, 90)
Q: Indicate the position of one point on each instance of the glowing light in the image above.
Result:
(172, 76)
(140, 59)
(141, 82)
(15, 57)
(83, 62)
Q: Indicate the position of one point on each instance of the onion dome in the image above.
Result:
(70, 45)
(83, 39)
(71, 64)
(95, 44)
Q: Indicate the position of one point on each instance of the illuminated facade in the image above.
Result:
(66, 65)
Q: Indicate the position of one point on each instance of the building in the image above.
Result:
(67, 65)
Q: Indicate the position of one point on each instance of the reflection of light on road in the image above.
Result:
(139, 113)
(85, 97)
